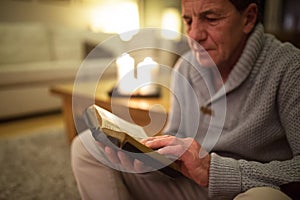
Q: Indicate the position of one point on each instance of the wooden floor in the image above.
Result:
(28, 125)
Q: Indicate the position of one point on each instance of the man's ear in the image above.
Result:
(250, 17)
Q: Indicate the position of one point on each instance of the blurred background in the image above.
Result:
(43, 44)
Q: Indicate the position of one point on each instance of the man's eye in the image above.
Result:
(211, 19)
(188, 22)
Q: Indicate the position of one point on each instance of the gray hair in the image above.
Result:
(241, 5)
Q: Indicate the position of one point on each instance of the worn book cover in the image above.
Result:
(127, 135)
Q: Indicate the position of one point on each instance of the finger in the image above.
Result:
(140, 167)
(125, 161)
(143, 141)
(161, 142)
(176, 150)
(111, 154)
(102, 146)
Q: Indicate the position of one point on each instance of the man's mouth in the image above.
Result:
(201, 51)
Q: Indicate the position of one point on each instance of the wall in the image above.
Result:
(152, 10)
(49, 13)
(75, 13)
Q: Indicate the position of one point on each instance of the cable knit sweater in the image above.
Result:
(259, 143)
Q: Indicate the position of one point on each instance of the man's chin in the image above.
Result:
(204, 60)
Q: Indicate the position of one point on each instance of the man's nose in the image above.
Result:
(197, 32)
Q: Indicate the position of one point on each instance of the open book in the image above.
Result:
(126, 135)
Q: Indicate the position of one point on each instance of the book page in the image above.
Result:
(115, 123)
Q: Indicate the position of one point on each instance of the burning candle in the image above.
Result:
(147, 71)
(125, 73)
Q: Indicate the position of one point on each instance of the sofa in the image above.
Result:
(35, 56)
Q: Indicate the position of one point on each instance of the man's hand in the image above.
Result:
(187, 150)
(119, 157)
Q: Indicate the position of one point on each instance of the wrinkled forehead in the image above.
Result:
(204, 1)
(205, 5)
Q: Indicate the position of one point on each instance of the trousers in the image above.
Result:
(98, 181)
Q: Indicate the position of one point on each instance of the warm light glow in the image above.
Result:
(125, 68)
(147, 71)
(171, 21)
(115, 17)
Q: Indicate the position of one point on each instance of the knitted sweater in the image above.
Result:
(259, 144)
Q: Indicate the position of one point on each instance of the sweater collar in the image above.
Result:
(245, 63)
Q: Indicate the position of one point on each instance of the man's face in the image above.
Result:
(218, 27)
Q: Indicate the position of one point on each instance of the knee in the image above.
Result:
(262, 193)
(85, 153)
(75, 146)
(75, 151)
(79, 155)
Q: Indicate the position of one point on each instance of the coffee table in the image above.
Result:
(138, 108)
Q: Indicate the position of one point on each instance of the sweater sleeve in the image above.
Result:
(228, 176)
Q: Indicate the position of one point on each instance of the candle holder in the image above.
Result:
(154, 93)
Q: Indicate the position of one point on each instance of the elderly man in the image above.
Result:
(258, 149)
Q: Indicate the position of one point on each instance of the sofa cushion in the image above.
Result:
(35, 72)
(21, 101)
(23, 42)
(53, 71)
(66, 43)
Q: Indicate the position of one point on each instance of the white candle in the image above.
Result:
(147, 71)
(125, 72)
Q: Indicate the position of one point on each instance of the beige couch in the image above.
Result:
(34, 56)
